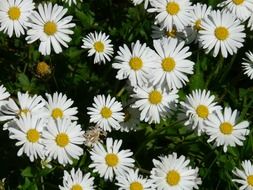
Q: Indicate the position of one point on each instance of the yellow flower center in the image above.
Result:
(76, 187)
(168, 64)
(172, 33)
(135, 63)
(226, 128)
(136, 186)
(202, 111)
(99, 46)
(155, 97)
(43, 68)
(173, 177)
(197, 25)
(250, 180)
(172, 8)
(111, 159)
(106, 112)
(14, 13)
(50, 28)
(32, 135)
(221, 33)
(24, 111)
(57, 113)
(238, 2)
(62, 140)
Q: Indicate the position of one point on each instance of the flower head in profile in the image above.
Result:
(50, 27)
(248, 65)
(4, 95)
(106, 112)
(244, 175)
(76, 180)
(100, 45)
(110, 160)
(14, 16)
(72, 1)
(173, 172)
(225, 129)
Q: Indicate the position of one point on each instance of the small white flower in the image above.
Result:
(71, 1)
(76, 180)
(225, 130)
(221, 32)
(4, 95)
(111, 161)
(100, 45)
(137, 2)
(173, 66)
(106, 112)
(131, 119)
(14, 16)
(171, 13)
(58, 106)
(62, 139)
(28, 132)
(198, 106)
(135, 64)
(133, 181)
(248, 65)
(171, 172)
(153, 103)
(245, 175)
(50, 27)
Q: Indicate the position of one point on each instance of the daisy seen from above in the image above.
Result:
(135, 63)
(242, 9)
(244, 175)
(76, 180)
(28, 131)
(106, 112)
(100, 45)
(197, 107)
(110, 161)
(59, 106)
(225, 130)
(50, 27)
(221, 32)
(62, 140)
(174, 65)
(132, 180)
(174, 173)
(248, 65)
(153, 103)
(14, 16)
(171, 13)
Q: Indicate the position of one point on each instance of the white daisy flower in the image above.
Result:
(171, 13)
(106, 112)
(222, 32)
(198, 107)
(135, 64)
(133, 181)
(71, 1)
(173, 67)
(248, 65)
(137, 2)
(131, 119)
(242, 9)
(111, 161)
(250, 23)
(25, 104)
(153, 103)
(50, 27)
(100, 45)
(4, 95)
(28, 132)
(76, 180)
(171, 172)
(245, 175)
(225, 130)
(14, 16)
(61, 139)
(59, 106)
